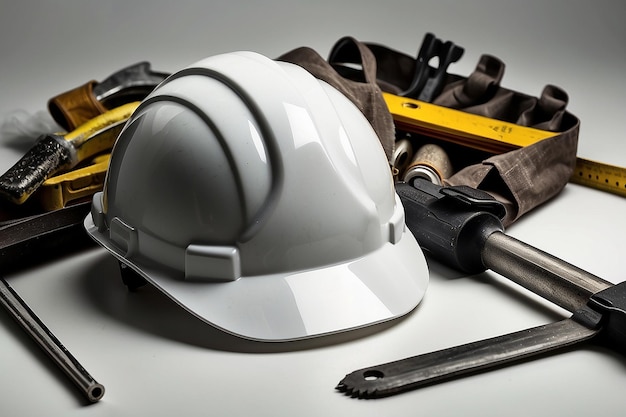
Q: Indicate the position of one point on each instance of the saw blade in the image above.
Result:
(410, 373)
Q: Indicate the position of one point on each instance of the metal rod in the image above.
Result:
(20, 311)
(554, 279)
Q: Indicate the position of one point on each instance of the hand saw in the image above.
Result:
(494, 137)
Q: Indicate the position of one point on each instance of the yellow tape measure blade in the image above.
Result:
(599, 175)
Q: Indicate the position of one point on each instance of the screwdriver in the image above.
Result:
(461, 227)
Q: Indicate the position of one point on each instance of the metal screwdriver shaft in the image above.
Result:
(553, 279)
(27, 319)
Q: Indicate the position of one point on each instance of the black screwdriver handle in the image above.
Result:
(451, 223)
(461, 227)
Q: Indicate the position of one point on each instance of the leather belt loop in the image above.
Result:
(76, 106)
(484, 80)
(480, 87)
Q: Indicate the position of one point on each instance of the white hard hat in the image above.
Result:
(259, 198)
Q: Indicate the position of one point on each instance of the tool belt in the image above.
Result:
(521, 179)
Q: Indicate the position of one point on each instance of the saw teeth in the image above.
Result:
(355, 392)
(347, 390)
(368, 394)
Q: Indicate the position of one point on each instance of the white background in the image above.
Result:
(156, 360)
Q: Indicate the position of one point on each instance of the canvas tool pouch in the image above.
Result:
(522, 179)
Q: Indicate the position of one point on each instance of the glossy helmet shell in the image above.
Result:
(259, 198)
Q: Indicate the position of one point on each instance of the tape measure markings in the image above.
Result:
(599, 175)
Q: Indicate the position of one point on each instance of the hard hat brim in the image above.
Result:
(380, 286)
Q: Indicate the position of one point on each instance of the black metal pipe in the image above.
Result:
(29, 321)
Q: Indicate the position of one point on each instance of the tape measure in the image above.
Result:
(605, 177)
(493, 136)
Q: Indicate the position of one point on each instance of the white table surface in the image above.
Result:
(156, 360)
